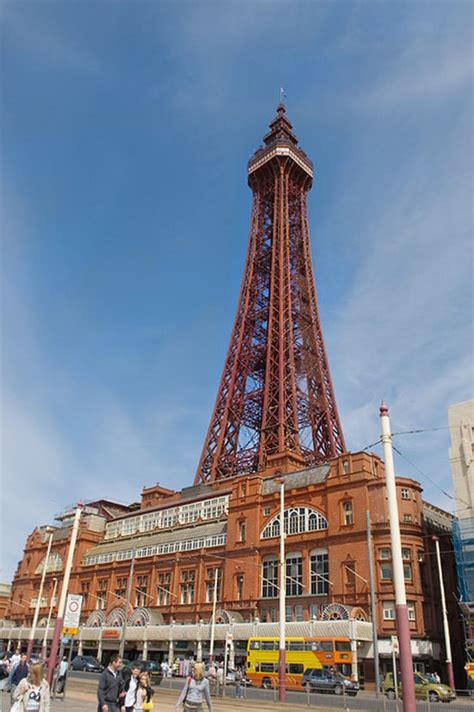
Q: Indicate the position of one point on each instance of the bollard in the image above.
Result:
(308, 694)
(384, 701)
(428, 701)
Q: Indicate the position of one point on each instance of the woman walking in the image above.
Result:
(195, 691)
(32, 693)
(143, 694)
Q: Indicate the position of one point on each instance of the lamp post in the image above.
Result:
(401, 613)
(51, 606)
(38, 602)
(282, 653)
(127, 604)
(373, 603)
(62, 599)
(213, 622)
(447, 638)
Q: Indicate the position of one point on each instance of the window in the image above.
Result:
(273, 615)
(385, 564)
(294, 575)
(187, 586)
(313, 610)
(164, 583)
(85, 585)
(121, 588)
(266, 511)
(242, 529)
(388, 611)
(345, 466)
(141, 592)
(211, 574)
(55, 563)
(297, 520)
(240, 587)
(411, 610)
(101, 597)
(407, 567)
(407, 518)
(350, 570)
(288, 614)
(347, 514)
(269, 578)
(296, 669)
(263, 615)
(405, 493)
(298, 613)
(319, 572)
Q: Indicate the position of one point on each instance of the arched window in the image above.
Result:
(55, 563)
(297, 521)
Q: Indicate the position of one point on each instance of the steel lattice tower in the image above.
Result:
(275, 408)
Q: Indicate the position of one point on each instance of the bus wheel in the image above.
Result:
(338, 690)
(266, 683)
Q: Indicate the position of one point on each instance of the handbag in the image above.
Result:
(148, 705)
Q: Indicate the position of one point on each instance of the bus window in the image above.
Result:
(311, 646)
(267, 667)
(296, 645)
(267, 645)
(254, 645)
(325, 645)
(296, 669)
(343, 645)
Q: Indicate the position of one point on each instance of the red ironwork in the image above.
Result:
(275, 407)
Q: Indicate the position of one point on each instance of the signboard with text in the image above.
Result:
(72, 614)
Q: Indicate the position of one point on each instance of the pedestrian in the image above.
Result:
(220, 680)
(62, 672)
(195, 691)
(212, 677)
(436, 677)
(239, 693)
(165, 669)
(143, 694)
(129, 686)
(4, 672)
(19, 672)
(108, 692)
(32, 692)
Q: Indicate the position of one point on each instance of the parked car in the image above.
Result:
(86, 663)
(323, 680)
(425, 688)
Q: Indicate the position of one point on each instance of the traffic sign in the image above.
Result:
(72, 614)
(70, 631)
(64, 641)
(394, 644)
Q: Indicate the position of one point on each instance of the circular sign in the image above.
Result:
(73, 606)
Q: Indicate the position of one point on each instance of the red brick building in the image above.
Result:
(182, 538)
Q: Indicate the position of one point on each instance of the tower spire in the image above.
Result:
(275, 407)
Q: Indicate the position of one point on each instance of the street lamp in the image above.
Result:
(447, 639)
(282, 654)
(401, 613)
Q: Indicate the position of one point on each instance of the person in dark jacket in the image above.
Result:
(109, 690)
(20, 671)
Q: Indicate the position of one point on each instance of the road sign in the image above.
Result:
(64, 641)
(394, 644)
(72, 614)
(70, 631)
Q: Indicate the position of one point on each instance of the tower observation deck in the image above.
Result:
(275, 408)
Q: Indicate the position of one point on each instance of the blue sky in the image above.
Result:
(125, 133)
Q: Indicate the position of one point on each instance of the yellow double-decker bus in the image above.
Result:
(301, 654)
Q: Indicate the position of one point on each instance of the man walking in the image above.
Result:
(20, 672)
(62, 672)
(129, 686)
(109, 686)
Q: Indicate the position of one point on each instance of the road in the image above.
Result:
(82, 687)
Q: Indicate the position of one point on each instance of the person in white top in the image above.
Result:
(32, 693)
(130, 687)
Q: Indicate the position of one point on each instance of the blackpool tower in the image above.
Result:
(275, 408)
